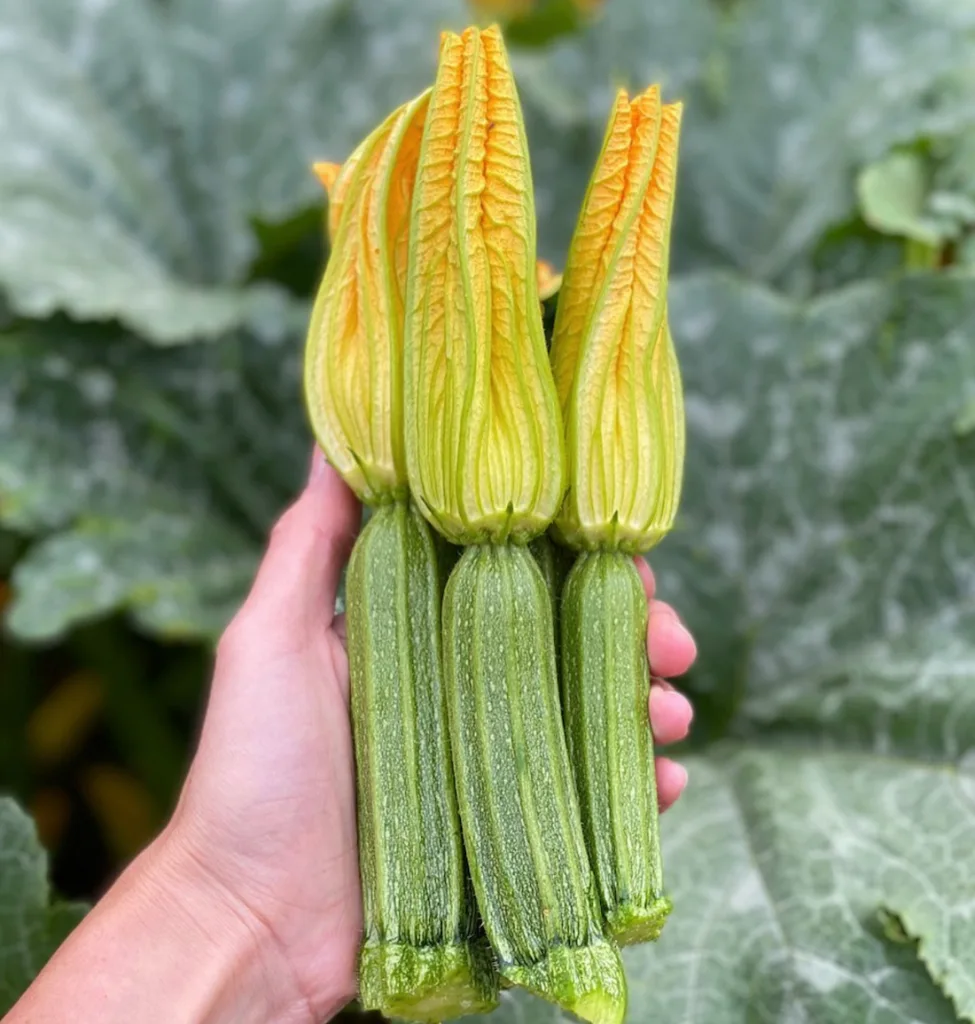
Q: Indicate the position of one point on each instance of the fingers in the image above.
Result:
(670, 718)
(671, 780)
(672, 651)
(338, 628)
(671, 647)
(309, 546)
(670, 713)
(669, 644)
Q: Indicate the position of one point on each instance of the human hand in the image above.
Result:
(267, 819)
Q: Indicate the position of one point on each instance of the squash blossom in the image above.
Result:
(354, 355)
(612, 354)
(619, 388)
(483, 432)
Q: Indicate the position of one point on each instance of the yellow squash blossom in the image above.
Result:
(612, 354)
(483, 431)
(354, 355)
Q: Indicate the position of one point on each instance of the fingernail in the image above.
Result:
(668, 611)
(681, 772)
(690, 637)
(318, 465)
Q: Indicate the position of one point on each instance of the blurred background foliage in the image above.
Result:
(160, 240)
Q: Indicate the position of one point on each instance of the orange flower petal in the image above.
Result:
(549, 280)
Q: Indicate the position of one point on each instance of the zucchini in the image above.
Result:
(605, 695)
(519, 812)
(423, 956)
(555, 562)
(616, 373)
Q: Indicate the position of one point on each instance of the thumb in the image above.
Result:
(299, 576)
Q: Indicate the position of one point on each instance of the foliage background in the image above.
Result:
(160, 238)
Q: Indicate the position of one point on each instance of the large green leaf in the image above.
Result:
(786, 100)
(31, 927)
(827, 503)
(153, 474)
(140, 141)
(825, 560)
(829, 529)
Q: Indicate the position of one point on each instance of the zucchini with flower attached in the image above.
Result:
(424, 956)
(619, 387)
(485, 457)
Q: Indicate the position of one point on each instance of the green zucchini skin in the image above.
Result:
(554, 561)
(605, 706)
(424, 957)
(519, 812)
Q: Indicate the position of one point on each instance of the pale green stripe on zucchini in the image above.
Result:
(605, 706)
(423, 956)
(519, 812)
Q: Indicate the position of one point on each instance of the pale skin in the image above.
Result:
(247, 909)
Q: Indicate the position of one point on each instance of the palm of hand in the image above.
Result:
(268, 811)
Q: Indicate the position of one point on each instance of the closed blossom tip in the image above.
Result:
(612, 354)
(483, 432)
(353, 354)
(326, 172)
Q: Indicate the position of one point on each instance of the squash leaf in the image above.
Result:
(151, 475)
(141, 142)
(31, 926)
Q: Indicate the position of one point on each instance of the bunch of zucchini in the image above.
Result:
(507, 810)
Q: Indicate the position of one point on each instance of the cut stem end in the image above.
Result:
(427, 984)
(585, 980)
(629, 924)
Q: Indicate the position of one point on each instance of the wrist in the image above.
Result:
(166, 945)
(237, 971)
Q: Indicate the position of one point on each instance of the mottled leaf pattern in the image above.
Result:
(152, 475)
(828, 504)
(140, 139)
(779, 863)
